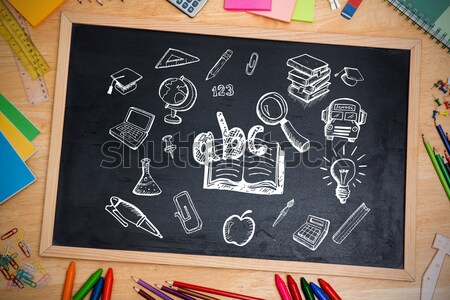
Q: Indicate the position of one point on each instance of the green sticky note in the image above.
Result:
(304, 11)
(18, 119)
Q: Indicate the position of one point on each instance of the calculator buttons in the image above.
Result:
(185, 5)
(190, 9)
(195, 4)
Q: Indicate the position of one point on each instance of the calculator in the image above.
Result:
(312, 233)
(189, 7)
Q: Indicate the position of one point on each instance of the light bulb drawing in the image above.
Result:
(346, 171)
(343, 171)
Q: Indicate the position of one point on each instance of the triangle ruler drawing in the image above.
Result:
(175, 58)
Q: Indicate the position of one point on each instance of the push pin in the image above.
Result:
(443, 113)
(437, 101)
(437, 84)
(442, 89)
(169, 147)
(447, 104)
(435, 112)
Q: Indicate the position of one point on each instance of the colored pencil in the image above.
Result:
(282, 288)
(194, 294)
(307, 290)
(436, 166)
(318, 292)
(143, 294)
(293, 288)
(151, 288)
(442, 166)
(443, 137)
(107, 289)
(211, 290)
(88, 285)
(97, 290)
(68, 284)
(173, 292)
(326, 287)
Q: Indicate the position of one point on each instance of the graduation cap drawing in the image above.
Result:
(350, 76)
(124, 81)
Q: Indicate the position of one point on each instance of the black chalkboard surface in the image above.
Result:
(183, 143)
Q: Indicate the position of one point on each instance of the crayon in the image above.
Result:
(318, 292)
(307, 291)
(293, 288)
(68, 284)
(88, 285)
(107, 289)
(98, 288)
(282, 288)
(326, 287)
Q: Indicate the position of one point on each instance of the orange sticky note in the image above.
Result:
(34, 11)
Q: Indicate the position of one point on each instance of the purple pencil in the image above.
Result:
(173, 292)
(151, 288)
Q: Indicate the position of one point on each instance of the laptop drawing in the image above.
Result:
(134, 129)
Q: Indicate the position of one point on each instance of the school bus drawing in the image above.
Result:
(343, 119)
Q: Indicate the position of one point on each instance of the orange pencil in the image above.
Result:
(107, 287)
(68, 284)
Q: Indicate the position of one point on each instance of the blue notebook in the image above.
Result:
(14, 173)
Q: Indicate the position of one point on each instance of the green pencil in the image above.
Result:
(436, 166)
(307, 290)
(88, 285)
(442, 166)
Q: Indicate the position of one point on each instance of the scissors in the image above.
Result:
(272, 109)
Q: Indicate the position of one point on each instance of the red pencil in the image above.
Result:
(282, 288)
(210, 290)
(107, 286)
(326, 287)
(293, 288)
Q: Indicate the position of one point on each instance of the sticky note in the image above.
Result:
(23, 147)
(304, 11)
(281, 10)
(245, 5)
(35, 10)
(14, 173)
(18, 119)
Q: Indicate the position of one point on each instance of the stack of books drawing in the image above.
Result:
(16, 135)
(309, 76)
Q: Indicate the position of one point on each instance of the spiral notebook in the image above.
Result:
(431, 16)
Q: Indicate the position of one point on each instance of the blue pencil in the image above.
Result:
(318, 292)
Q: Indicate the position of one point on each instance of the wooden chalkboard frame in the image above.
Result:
(48, 249)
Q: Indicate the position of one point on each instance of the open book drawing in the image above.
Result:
(249, 173)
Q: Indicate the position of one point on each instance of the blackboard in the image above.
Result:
(136, 75)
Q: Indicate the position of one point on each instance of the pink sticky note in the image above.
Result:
(281, 10)
(248, 5)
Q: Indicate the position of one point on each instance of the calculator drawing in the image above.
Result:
(189, 7)
(312, 233)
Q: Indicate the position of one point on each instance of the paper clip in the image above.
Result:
(7, 249)
(186, 212)
(25, 248)
(40, 268)
(251, 65)
(435, 112)
(20, 235)
(17, 282)
(13, 263)
(43, 281)
(30, 268)
(5, 272)
(21, 273)
(9, 234)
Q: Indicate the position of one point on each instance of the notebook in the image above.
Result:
(21, 145)
(35, 11)
(281, 10)
(14, 173)
(18, 119)
(431, 16)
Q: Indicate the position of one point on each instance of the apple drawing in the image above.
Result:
(239, 230)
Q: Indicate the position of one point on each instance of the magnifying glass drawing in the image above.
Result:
(272, 109)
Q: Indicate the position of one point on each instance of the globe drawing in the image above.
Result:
(179, 94)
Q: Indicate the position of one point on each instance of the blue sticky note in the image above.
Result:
(14, 173)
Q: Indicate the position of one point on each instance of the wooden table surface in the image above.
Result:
(373, 18)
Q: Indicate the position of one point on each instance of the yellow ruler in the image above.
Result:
(21, 44)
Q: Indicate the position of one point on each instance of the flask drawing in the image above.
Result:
(146, 186)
